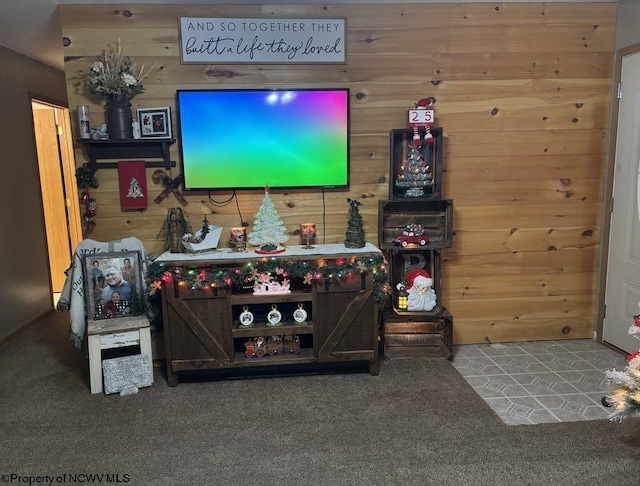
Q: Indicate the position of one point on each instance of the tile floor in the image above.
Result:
(542, 381)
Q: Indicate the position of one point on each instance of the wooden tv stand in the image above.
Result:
(202, 318)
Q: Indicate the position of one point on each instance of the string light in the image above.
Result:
(203, 277)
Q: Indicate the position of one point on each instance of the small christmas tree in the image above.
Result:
(204, 231)
(136, 306)
(134, 190)
(415, 173)
(175, 226)
(625, 393)
(355, 232)
(268, 229)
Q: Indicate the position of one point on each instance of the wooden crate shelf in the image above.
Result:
(400, 262)
(403, 222)
(410, 336)
(435, 217)
(401, 142)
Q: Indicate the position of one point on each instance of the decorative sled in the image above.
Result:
(197, 244)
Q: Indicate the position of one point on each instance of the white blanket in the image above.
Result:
(72, 296)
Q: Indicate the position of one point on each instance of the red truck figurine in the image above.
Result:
(413, 234)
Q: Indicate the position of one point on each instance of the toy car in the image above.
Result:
(413, 234)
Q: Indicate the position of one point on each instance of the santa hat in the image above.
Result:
(419, 276)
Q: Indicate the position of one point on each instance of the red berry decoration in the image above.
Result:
(633, 355)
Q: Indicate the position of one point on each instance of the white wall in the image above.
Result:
(26, 289)
(627, 21)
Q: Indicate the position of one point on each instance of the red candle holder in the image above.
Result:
(307, 232)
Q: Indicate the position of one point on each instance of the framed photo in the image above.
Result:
(155, 122)
(113, 284)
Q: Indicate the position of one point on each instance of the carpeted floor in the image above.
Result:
(417, 423)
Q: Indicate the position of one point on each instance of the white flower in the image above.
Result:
(129, 79)
(97, 67)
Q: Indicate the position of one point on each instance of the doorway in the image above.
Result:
(622, 285)
(61, 207)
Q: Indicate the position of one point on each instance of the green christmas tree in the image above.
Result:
(136, 306)
(355, 232)
(268, 229)
(204, 231)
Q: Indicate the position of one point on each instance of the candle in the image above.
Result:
(83, 121)
(308, 230)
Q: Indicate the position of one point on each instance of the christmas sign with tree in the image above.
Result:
(269, 232)
(355, 232)
(415, 173)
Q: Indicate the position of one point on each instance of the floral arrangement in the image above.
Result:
(112, 75)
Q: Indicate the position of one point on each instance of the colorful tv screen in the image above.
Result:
(254, 138)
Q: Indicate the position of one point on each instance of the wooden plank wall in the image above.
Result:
(522, 91)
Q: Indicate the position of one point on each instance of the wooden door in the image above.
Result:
(56, 165)
(346, 322)
(53, 199)
(197, 330)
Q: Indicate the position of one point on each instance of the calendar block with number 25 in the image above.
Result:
(421, 117)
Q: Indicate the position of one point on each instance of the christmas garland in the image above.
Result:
(85, 178)
(336, 270)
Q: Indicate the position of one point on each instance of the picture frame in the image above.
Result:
(155, 122)
(110, 273)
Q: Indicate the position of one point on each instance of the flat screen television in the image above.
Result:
(253, 138)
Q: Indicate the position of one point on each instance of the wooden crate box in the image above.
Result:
(401, 151)
(409, 336)
(401, 262)
(435, 217)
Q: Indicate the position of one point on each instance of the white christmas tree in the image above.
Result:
(134, 190)
(625, 393)
(268, 229)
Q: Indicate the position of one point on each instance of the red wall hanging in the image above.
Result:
(133, 185)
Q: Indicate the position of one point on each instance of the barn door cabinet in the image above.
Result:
(203, 331)
(406, 333)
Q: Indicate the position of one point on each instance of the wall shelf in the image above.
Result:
(129, 149)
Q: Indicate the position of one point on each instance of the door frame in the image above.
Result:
(607, 194)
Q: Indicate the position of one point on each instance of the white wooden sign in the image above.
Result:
(262, 40)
